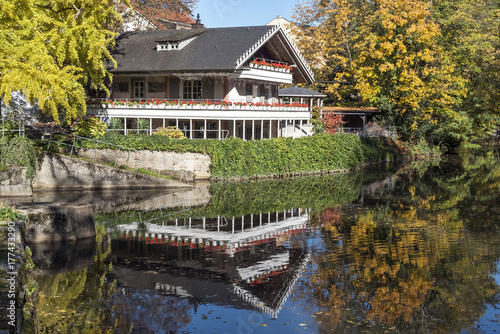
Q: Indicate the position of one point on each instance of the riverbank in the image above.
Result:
(232, 159)
(238, 159)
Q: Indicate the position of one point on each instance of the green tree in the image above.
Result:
(471, 34)
(51, 50)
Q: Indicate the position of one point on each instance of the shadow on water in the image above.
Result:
(395, 249)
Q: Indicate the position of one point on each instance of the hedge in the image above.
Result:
(236, 158)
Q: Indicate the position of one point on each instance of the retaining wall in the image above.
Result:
(196, 163)
(14, 182)
(59, 172)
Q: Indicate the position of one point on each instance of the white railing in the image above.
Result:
(370, 132)
(197, 134)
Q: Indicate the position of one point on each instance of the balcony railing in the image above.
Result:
(193, 104)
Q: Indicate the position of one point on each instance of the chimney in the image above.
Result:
(198, 24)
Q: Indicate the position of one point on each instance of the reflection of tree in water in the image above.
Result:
(412, 264)
(150, 313)
(85, 301)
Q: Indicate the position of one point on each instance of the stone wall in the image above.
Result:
(58, 172)
(14, 182)
(195, 163)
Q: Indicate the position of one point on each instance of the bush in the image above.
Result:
(9, 214)
(89, 127)
(19, 151)
(170, 132)
(10, 129)
(115, 124)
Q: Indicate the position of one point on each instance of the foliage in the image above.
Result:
(332, 121)
(170, 132)
(89, 127)
(10, 129)
(51, 50)
(19, 151)
(406, 58)
(474, 52)
(9, 214)
(115, 124)
(143, 125)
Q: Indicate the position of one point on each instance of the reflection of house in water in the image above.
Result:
(240, 261)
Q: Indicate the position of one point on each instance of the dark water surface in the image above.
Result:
(411, 248)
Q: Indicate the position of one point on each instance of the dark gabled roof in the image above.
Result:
(212, 50)
(299, 92)
(179, 35)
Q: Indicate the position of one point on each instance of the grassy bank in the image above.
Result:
(236, 158)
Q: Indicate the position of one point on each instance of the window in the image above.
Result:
(165, 46)
(138, 89)
(123, 87)
(192, 90)
(155, 87)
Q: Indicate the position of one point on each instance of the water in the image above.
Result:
(410, 248)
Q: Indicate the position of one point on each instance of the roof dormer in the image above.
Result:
(167, 46)
(176, 40)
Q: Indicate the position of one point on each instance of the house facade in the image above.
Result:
(209, 83)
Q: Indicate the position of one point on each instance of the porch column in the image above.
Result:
(234, 128)
(278, 128)
(190, 129)
(262, 129)
(164, 122)
(270, 128)
(293, 129)
(125, 125)
(176, 123)
(150, 126)
(220, 130)
(244, 131)
(286, 128)
(205, 129)
(253, 129)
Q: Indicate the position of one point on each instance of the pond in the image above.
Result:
(401, 248)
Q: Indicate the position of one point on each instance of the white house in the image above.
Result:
(210, 83)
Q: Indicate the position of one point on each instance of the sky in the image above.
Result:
(240, 13)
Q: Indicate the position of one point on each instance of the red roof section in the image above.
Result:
(158, 15)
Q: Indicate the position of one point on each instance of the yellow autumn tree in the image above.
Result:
(384, 53)
(404, 72)
(51, 50)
